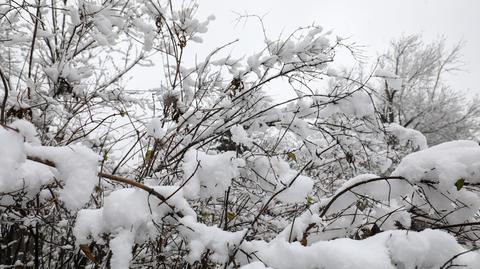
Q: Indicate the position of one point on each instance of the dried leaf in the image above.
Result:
(86, 250)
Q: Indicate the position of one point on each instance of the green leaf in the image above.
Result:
(123, 113)
(149, 155)
(98, 189)
(291, 155)
(105, 155)
(459, 183)
(362, 204)
(310, 200)
(231, 215)
(205, 215)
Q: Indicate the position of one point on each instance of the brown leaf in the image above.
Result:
(86, 250)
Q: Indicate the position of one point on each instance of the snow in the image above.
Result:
(43, 34)
(255, 265)
(209, 175)
(279, 177)
(407, 135)
(129, 209)
(52, 72)
(393, 81)
(448, 161)
(87, 225)
(254, 63)
(322, 216)
(203, 237)
(76, 166)
(158, 129)
(384, 73)
(240, 136)
(74, 16)
(297, 191)
(393, 249)
(16, 172)
(121, 247)
(27, 130)
(357, 104)
(332, 72)
(443, 165)
(148, 33)
(131, 215)
(11, 157)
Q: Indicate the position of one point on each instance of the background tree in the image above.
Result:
(416, 96)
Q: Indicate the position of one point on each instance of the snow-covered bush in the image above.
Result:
(213, 173)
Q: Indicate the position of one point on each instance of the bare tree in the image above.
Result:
(423, 101)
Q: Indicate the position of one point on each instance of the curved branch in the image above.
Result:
(303, 241)
(336, 196)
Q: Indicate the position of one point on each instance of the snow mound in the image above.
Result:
(445, 163)
(387, 250)
(76, 166)
(131, 215)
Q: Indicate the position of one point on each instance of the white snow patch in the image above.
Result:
(209, 175)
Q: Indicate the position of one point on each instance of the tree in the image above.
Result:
(422, 100)
(212, 172)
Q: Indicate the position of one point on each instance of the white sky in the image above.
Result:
(372, 23)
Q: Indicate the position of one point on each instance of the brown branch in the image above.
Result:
(109, 176)
(118, 179)
(6, 86)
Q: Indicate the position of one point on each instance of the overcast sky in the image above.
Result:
(371, 23)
